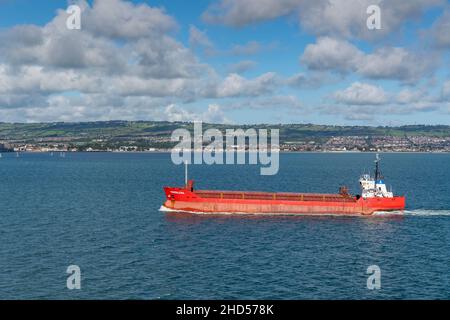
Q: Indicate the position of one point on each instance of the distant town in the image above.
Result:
(151, 136)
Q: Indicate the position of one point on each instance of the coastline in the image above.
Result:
(168, 151)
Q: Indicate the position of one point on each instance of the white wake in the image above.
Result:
(416, 212)
(427, 212)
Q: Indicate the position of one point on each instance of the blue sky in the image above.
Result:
(273, 61)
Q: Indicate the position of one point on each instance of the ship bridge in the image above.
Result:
(375, 186)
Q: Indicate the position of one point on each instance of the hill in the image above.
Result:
(141, 135)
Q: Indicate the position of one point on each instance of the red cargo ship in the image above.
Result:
(374, 197)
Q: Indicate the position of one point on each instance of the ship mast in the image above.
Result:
(185, 173)
(377, 169)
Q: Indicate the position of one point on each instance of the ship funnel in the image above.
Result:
(190, 185)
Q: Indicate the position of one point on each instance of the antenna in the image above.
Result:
(377, 171)
(377, 160)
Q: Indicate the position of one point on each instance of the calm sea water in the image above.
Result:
(101, 212)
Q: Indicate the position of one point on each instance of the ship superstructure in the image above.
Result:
(374, 186)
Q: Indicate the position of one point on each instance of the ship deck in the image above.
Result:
(282, 196)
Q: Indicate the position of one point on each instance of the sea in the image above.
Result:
(101, 212)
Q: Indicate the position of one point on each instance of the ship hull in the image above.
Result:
(181, 199)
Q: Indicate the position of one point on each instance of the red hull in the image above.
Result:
(183, 199)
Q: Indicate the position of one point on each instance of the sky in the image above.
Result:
(226, 61)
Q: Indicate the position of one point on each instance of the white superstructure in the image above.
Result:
(372, 187)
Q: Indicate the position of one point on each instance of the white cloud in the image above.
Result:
(370, 113)
(347, 19)
(126, 63)
(123, 51)
(385, 63)
(163, 57)
(361, 94)
(313, 79)
(440, 31)
(240, 13)
(332, 54)
(198, 38)
(407, 96)
(176, 113)
(273, 102)
(367, 102)
(124, 20)
(241, 66)
(213, 114)
(144, 33)
(445, 91)
(235, 85)
(321, 17)
(397, 63)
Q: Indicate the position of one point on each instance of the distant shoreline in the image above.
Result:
(161, 151)
(154, 136)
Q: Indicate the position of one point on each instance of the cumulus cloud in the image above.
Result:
(144, 35)
(385, 63)
(440, 31)
(408, 96)
(445, 91)
(367, 102)
(126, 63)
(372, 113)
(213, 114)
(37, 79)
(332, 54)
(241, 66)
(361, 94)
(84, 107)
(241, 13)
(321, 17)
(124, 50)
(397, 63)
(198, 37)
(235, 86)
(348, 18)
(164, 57)
(311, 80)
(273, 102)
(124, 20)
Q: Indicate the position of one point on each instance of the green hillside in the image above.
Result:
(118, 129)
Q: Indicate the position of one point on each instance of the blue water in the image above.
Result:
(101, 212)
